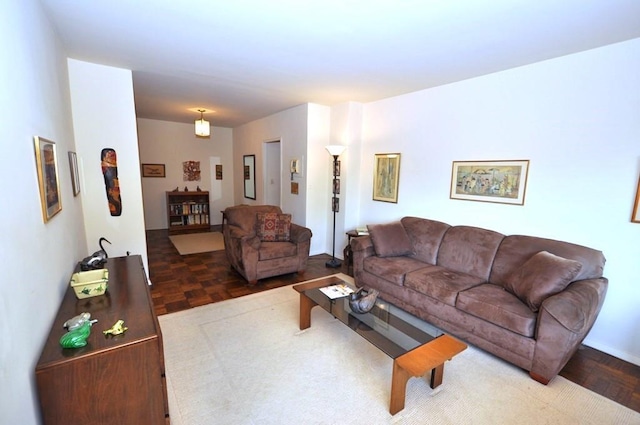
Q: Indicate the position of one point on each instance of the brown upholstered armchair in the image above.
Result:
(260, 242)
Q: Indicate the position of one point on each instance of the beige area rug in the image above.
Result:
(193, 243)
(245, 361)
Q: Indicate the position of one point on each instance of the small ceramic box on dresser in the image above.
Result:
(113, 379)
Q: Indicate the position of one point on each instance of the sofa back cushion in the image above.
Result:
(515, 250)
(245, 216)
(469, 250)
(425, 236)
(390, 240)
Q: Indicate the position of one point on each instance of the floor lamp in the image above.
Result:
(335, 151)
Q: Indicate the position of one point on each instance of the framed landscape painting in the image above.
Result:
(502, 182)
(47, 166)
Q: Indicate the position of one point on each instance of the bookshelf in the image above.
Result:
(187, 211)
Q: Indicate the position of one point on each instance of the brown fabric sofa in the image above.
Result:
(256, 255)
(530, 301)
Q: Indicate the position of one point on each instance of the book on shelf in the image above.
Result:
(336, 291)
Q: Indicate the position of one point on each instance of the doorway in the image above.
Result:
(272, 173)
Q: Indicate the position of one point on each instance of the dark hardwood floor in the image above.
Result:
(182, 282)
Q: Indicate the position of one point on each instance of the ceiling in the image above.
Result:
(247, 59)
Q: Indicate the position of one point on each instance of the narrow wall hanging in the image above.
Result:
(109, 164)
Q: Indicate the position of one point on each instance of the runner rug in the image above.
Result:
(193, 243)
(245, 361)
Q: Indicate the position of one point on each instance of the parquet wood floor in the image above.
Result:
(182, 282)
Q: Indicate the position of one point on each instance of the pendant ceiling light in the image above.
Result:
(202, 126)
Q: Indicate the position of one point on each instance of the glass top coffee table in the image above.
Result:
(415, 346)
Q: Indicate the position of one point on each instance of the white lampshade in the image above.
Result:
(202, 126)
(335, 150)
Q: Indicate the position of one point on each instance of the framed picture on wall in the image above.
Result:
(48, 181)
(386, 175)
(75, 178)
(153, 170)
(635, 216)
(503, 182)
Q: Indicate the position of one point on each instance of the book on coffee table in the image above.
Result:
(336, 291)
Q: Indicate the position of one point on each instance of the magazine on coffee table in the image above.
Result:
(336, 291)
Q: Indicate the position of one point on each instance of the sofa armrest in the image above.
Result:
(564, 320)
(361, 248)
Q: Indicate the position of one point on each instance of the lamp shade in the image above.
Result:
(336, 150)
(202, 126)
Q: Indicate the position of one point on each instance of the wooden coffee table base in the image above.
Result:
(417, 362)
(430, 356)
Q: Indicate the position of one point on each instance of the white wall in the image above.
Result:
(171, 143)
(104, 117)
(319, 169)
(290, 127)
(37, 259)
(576, 118)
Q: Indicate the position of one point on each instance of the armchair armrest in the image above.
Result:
(300, 233)
(563, 322)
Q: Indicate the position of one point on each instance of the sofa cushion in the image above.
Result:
(543, 275)
(273, 250)
(245, 216)
(392, 269)
(273, 227)
(495, 305)
(515, 250)
(425, 236)
(390, 240)
(469, 250)
(440, 283)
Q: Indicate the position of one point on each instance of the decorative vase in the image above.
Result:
(362, 300)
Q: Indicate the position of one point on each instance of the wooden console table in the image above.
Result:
(112, 380)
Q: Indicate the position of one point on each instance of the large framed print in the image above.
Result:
(386, 174)
(503, 182)
(47, 167)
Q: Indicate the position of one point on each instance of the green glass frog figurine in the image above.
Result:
(78, 337)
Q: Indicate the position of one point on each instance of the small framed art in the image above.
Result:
(153, 170)
(503, 182)
(48, 181)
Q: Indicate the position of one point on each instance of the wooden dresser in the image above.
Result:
(112, 380)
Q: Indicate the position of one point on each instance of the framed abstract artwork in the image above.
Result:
(386, 174)
(503, 182)
(47, 167)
